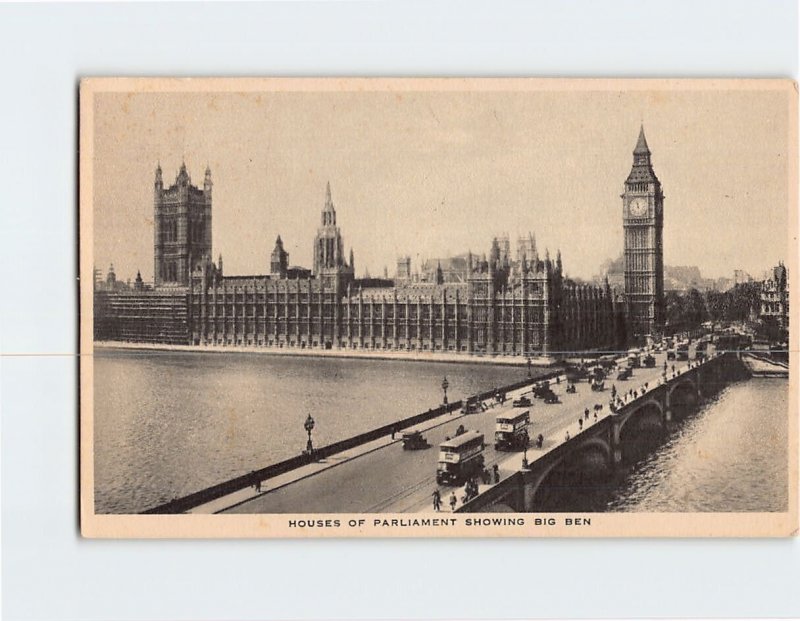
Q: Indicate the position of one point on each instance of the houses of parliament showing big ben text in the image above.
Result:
(505, 303)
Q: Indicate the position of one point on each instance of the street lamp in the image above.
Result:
(445, 386)
(527, 442)
(309, 427)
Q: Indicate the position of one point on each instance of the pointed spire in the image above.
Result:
(642, 170)
(352, 261)
(641, 144)
(328, 212)
(183, 175)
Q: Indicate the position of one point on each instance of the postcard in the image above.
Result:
(438, 307)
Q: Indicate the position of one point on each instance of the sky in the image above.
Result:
(429, 171)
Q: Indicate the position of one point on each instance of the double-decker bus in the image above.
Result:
(511, 430)
(460, 458)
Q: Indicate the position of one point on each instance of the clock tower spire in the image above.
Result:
(643, 224)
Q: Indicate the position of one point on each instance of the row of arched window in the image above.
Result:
(169, 231)
(169, 271)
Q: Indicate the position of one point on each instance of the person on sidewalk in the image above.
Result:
(453, 501)
(496, 470)
(437, 500)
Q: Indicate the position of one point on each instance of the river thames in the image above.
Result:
(171, 423)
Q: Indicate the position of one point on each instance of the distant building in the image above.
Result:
(775, 297)
(740, 277)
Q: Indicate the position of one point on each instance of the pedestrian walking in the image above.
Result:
(566, 437)
(437, 500)
(453, 501)
(586, 413)
(595, 417)
(258, 486)
(539, 441)
(496, 470)
(580, 424)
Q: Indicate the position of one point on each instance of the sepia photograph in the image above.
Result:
(437, 307)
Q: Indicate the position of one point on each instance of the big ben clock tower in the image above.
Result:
(643, 222)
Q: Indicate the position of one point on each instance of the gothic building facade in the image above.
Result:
(491, 306)
(501, 304)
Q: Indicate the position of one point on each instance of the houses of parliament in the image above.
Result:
(502, 303)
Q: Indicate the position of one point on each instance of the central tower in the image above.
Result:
(643, 223)
(329, 263)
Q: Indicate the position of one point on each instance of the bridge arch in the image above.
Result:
(682, 398)
(637, 409)
(571, 481)
(687, 380)
(642, 430)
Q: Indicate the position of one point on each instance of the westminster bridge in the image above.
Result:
(373, 474)
(592, 451)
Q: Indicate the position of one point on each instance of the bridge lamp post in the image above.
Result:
(525, 453)
(309, 427)
(445, 386)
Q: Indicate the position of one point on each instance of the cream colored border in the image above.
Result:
(602, 525)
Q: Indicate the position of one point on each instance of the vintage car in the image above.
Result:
(414, 440)
(649, 361)
(625, 374)
(576, 374)
(522, 402)
(471, 405)
(598, 384)
(541, 389)
(549, 396)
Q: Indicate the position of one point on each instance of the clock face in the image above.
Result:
(638, 207)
